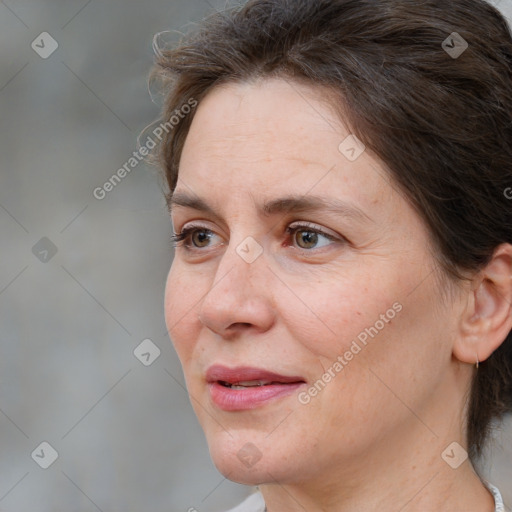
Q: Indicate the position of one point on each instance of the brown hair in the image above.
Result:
(440, 122)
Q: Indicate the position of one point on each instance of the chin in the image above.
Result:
(242, 460)
(244, 476)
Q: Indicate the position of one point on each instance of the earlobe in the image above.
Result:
(487, 319)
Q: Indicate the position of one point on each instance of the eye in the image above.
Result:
(308, 237)
(304, 236)
(193, 237)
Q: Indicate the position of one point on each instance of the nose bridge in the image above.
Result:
(242, 264)
(238, 294)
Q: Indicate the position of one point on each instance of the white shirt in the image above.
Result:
(255, 503)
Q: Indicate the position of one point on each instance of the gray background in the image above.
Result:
(125, 433)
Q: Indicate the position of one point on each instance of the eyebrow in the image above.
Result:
(287, 204)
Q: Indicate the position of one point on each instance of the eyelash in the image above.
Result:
(177, 238)
(184, 235)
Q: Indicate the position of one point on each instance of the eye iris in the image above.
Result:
(309, 238)
(199, 237)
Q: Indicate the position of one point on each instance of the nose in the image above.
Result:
(239, 298)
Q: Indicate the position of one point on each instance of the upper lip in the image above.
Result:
(218, 373)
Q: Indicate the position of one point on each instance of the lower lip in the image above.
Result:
(229, 399)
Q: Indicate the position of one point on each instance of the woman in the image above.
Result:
(340, 296)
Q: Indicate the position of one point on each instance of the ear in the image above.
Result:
(487, 319)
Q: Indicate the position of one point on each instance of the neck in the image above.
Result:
(403, 478)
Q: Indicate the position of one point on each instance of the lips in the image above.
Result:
(241, 388)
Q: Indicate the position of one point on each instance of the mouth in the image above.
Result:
(242, 388)
(247, 384)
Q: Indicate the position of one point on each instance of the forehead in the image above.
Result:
(271, 137)
(267, 114)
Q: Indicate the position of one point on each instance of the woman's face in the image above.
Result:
(304, 306)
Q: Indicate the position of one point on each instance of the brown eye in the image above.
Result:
(194, 237)
(200, 238)
(306, 239)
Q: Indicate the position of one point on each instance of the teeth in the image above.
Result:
(249, 384)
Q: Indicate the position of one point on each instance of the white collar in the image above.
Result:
(498, 500)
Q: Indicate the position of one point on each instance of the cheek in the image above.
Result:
(326, 315)
(378, 326)
(181, 310)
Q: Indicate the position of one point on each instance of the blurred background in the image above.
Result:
(86, 365)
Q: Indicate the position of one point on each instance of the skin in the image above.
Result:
(372, 439)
